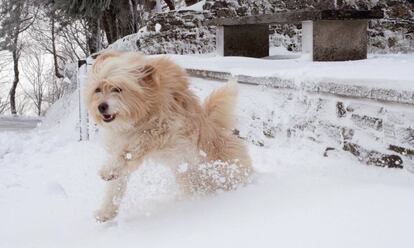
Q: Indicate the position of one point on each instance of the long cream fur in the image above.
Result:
(153, 115)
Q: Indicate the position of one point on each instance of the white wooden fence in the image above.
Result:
(87, 128)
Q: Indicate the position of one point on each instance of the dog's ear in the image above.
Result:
(102, 57)
(149, 76)
(105, 55)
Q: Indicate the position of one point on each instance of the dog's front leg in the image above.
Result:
(114, 173)
(114, 193)
(117, 174)
(122, 165)
(113, 168)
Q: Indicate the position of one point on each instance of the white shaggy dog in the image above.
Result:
(145, 110)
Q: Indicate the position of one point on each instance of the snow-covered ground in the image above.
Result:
(49, 189)
(393, 71)
(10, 123)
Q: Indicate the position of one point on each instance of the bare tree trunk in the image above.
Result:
(16, 56)
(149, 5)
(39, 106)
(55, 59)
(120, 19)
(109, 25)
(134, 13)
(93, 35)
(125, 19)
(38, 80)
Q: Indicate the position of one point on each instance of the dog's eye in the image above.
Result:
(116, 90)
(97, 90)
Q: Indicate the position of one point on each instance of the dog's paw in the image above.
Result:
(109, 173)
(104, 215)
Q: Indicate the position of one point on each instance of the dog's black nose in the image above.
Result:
(103, 107)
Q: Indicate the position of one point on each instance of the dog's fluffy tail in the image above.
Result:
(219, 106)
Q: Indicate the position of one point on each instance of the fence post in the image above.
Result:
(83, 113)
(91, 125)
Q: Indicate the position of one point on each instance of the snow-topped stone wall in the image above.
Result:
(373, 124)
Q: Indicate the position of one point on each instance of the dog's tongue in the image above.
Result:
(107, 117)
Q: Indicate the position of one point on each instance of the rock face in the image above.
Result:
(184, 32)
(395, 33)
(176, 32)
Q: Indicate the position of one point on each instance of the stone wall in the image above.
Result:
(176, 32)
(373, 124)
(185, 32)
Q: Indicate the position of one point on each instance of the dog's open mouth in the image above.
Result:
(107, 117)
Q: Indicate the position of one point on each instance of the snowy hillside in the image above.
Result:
(49, 189)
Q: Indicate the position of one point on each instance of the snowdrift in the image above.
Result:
(49, 189)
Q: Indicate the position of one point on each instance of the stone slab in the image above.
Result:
(340, 40)
(298, 16)
(243, 40)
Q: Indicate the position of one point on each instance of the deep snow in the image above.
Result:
(49, 188)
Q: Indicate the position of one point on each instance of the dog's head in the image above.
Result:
(122, 89)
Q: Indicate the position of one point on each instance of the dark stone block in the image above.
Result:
(402, 150)
(340, 40)
(340, 109)
(243, 40)
(347, 133)
(373, 157)
(325, 154)
(367, 121)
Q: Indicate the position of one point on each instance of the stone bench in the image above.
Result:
(330, 35)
